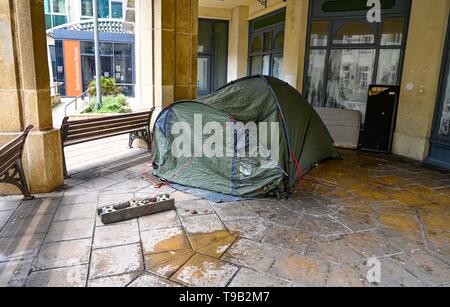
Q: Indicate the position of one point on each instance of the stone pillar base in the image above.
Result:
(410, 146)
(42, 160)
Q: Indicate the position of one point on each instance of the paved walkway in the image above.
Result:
(383, 212)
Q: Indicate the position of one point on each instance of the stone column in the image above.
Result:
(175, 50)
(166, 51)
(238, 43)
(25, 93)
(420, 78)
(295, 42)
(144, 54)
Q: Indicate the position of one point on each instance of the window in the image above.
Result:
(354, 33)
(213, 55)
(346, 54)
(116, 9)
(87, 9)
(55, 13)
(267, 45)
(106, 9)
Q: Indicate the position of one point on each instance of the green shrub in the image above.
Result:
(109, 87)
(110, 104)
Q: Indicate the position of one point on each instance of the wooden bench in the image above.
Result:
(82, 131)
(11, 168)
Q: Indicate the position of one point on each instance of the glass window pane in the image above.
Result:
(256, 45)
(355, 32)
(388, 67)
(48, 21)
(350, 73)
(257, 64)
(106, 49)
(392, 34)
(444, 123)
(87, 8)
(103, 8)
(267, 42)
(202, 72)
(220, 54)
(269, 21)
(277, 69)
(315, 78)
(205, 37)
(59, 20)
(319, 34)
(116, 10)
(266, 65)
(59, 6)
(278, 43)
(87, 48)
(123, 63)
(47, 8)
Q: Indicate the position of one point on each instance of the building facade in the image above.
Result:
(332, 52)
(69, 26)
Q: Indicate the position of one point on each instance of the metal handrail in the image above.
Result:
(75, 101)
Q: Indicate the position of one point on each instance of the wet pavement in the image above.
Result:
(348, 219)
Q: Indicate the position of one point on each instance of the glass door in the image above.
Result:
(440, 140)
(204, 75)
(88, 68)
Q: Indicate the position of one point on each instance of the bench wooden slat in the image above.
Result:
(106, 118)
(7, 165)
(86, 130)
(83, 129)
(11, 158)
(80, 141)
(106, 132)
(77, 125)
(18, 140)
(11, 151)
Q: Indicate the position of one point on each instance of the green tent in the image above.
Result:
(303, 140)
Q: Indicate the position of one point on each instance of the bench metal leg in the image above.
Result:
(16, 177)
(66, 174)
(24, 183)
(131, 138)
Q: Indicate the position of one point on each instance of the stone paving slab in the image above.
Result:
(194, 207)
(234, 211)
(164, 240)
(76, 198)
(27, 226)
(247, 278)
(253, 255)
(161, 220)
(204, 271)
(14, 273)
(63, 254)
(113, 281)
(65, 277)
(382, 208)
(9, 204)
(38, 206)
(116, 261)
(197, 224)
(323, 225)
(303, 270)
(75, 212)
(288, 238)
(19, 248)
(4, 217)
(254, 229)
(70, 230)
(116, 234)
(148, 280)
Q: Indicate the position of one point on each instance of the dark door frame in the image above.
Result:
(439, 153)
